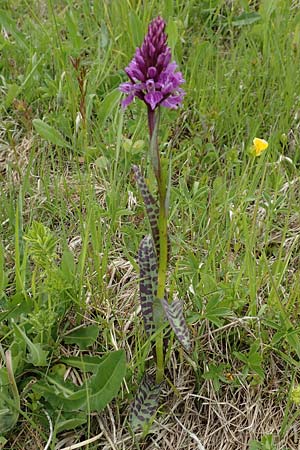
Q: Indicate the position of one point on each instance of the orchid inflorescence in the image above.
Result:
(154, 79)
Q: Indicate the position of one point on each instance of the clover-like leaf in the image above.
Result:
(145, 404)
(174, 314)
(148, 281)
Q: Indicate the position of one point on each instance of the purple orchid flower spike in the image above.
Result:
(153, 77)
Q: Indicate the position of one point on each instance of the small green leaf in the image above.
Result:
(246, 19)
(61, 394)
(105, 384)
(72, 422)
(12, 92)
(37, 356)
(84, 337)
(49, 133)
(85, 363)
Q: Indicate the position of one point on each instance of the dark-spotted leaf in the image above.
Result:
(148, 281)
(83, 337)
(174, 314)
(150, 205)
(105, 384)
(145, 404)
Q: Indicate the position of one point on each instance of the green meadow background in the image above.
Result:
(71, 219)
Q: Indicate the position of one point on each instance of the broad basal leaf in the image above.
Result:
(150, 204)
(174, 314)
(148, 281)
(105, 384)
(145, 404)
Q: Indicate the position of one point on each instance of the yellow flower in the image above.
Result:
(259, 146)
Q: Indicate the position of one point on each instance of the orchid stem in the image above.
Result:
(153, 121)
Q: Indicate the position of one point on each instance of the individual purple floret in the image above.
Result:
(153, 78)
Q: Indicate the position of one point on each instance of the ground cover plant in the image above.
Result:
(72, 219)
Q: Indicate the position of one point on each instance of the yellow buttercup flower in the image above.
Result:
(259, 146)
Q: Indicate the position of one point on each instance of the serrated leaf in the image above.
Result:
(145, 404)
(49, 133)
(174, 314)
(148, 282)
(105, 384)
(150, 205)
(85, 363)
(84, 337)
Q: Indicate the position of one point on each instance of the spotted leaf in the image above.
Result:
(145, 403)
(148, 281)
(150, 204)
(174, 314)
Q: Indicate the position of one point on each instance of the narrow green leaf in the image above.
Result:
(246, 19)
(3, 276)
(49, 133)
(72, 422)
(105, 384)
(84, 337)
(85, 363)
(136, 29)
(172, 32)
(174, 314)
(109, 103)
(145, 404)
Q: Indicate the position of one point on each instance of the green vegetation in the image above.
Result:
(71, 220)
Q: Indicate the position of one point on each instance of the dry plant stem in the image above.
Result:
(153, 121)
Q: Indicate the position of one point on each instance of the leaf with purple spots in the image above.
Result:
(145, 403)
(150, 204)
(174, 314)
(148, 281)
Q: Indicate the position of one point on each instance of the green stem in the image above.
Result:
(160, 174)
